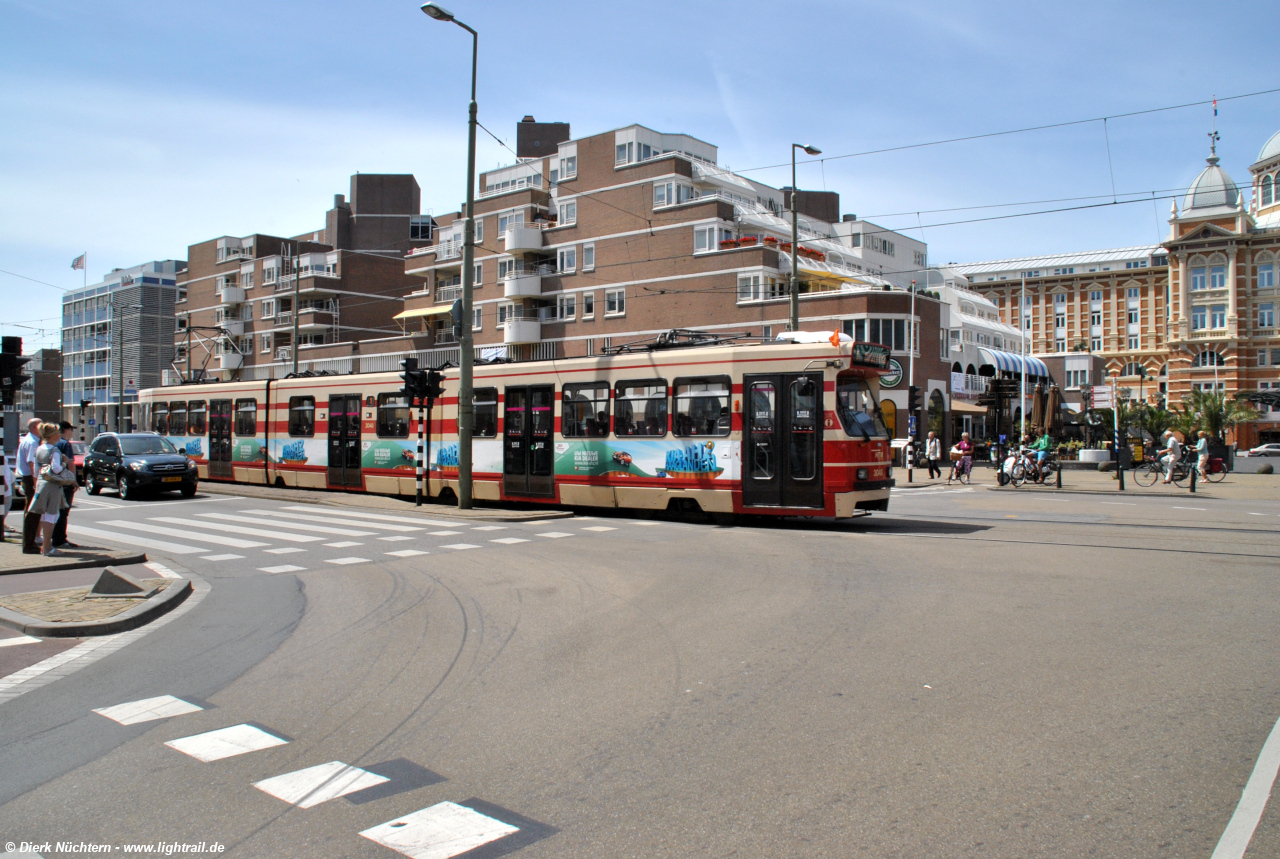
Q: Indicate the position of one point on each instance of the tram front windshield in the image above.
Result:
(858, 409)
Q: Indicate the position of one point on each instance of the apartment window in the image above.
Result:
(588, 305)
(1060, 298)
(566, 307)
(268, 309)
(1133, 341)
(264, 342)
(624, 153)
(1198, 278)
(640, 408)
(420, 227)
(477, 318)
(943, 345)
(479, 228)
(1218, 316)
(584, 410)
(477, 274)
(1262, 357)
(1095, 295)
(1267, 315)
(302, 417)
(1133, 317)
(509, 220)
(568, 260)
(568, 167)
(507, 311)
(1095, 317)
(708, 238)
(508, 267)
(1133, 292)
(1059, 345)
(1026, 323)
(1060, 321)
(1095, 344)
(568, 213)
(1217, 276)
(766, 332)
(588, 257)
(1207, 358)
(246, 279)
(615, 302)
(393, 417)
(1199, 318)
(1266, 276)
(270, 274)
(671, 194)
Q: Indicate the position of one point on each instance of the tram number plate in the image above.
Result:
(172, 479)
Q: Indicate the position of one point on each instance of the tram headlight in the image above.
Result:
(862, 474)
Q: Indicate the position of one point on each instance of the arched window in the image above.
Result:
(1266, 190)
(956, 368)
(1209, 358)
(971, 371)
(1265, 271)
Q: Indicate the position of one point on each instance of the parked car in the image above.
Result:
(81, 450)
(1265, 450)
(138, 462)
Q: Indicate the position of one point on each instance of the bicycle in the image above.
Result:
(961, 468)
(1154, 470)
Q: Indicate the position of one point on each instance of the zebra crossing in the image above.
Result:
(440, 831)
(249, 535)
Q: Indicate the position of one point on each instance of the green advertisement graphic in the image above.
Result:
(387, 454)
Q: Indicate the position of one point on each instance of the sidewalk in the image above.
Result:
(337, 498)
(12, 560)
(1236, 486)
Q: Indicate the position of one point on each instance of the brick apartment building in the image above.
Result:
(619, 236)
(348, 279)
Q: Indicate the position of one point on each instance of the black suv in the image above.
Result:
(137, 462)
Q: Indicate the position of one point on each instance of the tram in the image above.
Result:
(776, 428)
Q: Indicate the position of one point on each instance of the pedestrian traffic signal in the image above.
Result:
(410, 375)
(913, 400)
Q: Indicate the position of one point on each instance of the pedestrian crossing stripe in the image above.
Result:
(239, 529)
(132, 540)
(337, 519)
(219, 539)
(356, 514)
(296, 526)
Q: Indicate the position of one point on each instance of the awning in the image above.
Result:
(1012, 363)
(963, 408)
(424, 311)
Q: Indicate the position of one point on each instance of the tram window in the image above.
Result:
(584, 410)
(856, 405)
(805, 402)
(302, 416)
(177, 418)
(486, 406)
(393, 416)
(160, 418)
(197, 423)
(246, 417)
(701, 406)
(640, 408)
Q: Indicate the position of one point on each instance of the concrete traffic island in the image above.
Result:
(78, 612)
(12, 559)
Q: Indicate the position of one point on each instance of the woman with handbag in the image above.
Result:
(52, 476)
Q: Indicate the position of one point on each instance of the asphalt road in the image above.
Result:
(975, 673)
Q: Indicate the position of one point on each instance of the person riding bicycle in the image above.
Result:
(1202, 455)
(1169, 454)
(963, 465)
(1042, 446)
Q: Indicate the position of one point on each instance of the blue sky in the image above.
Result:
(133, 129)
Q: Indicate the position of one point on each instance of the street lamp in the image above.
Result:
(466, 357)
(794, 324)
(117, 337)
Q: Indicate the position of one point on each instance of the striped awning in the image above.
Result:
(1011, 363)
(424, 311)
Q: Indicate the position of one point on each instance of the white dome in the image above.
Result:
(1212, 189)
(1271, 148)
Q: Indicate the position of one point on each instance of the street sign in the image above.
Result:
(1102, 398)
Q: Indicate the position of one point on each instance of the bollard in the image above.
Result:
(1194, 472)
(1058, 478)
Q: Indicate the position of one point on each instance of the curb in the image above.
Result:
(1113, 493)
(138, 558)
(163, 602)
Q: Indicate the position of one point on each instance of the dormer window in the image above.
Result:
(1267, 190)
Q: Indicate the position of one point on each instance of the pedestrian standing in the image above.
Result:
(27, 478)
(1202, 455)
(51, 475)
(933, 453)
(68, 452)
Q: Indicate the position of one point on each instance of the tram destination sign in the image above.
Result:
(870, 355)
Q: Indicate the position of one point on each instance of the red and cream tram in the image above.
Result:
(780, 428)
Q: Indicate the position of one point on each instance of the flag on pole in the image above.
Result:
(1215, 105)
(78, 262)
(835, 339)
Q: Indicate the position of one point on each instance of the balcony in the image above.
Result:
(284, 353)
(523, 237)
(233, 327)
(522, 331)
(522, 284)
(448, 294)
(229, 295)
(230, 360)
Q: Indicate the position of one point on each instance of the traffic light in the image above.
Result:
(433, 385)
(11, 375)
(455, 313)
(411, 377)
(913, 399)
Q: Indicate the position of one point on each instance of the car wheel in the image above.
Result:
(189, 491)
(91, 484)
(127, 490)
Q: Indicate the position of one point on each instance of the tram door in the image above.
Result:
(527, 450)
(344, 440)
(782, 441)
(220, 438)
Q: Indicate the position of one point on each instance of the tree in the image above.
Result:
(1153, 420)
(1212, 412)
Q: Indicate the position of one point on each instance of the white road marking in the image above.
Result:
(98, 502)
(335, 521)
(648, 523)
(238, 529)
(222, 557)
(459, 546)
(347, 561)
(1176, 507)
(225, 743)
(395, 539)
(318, 784)
(220, 539)
(376, 516)
(131, 540)
(442, 533)
(283, 568)
(1256, 514)
(541, 522)
(599, 528)
(555, 535)
(345, 544)
(287, 550)
(295, 526)
(1120, 503)
(444, 830)
(161, 570)
(148, 710)
(20, 639)
(1253, 801)
(407, 553)
(488, 528)
(508, 541)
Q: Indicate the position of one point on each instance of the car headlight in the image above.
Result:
(191, 465)
(137, 466)
(862, 474)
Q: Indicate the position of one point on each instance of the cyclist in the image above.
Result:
(964, 465)
(1202, 455)
(1041, 446)
(1169, 454)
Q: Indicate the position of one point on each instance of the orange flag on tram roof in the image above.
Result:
(835, 339)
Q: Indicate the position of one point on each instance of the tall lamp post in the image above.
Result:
(466, 403)
(794, 324)
(118, 337)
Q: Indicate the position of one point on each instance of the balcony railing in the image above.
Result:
(284, 353)
(448, 294)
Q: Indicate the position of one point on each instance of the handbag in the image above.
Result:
(66, 477)
(956, 455)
